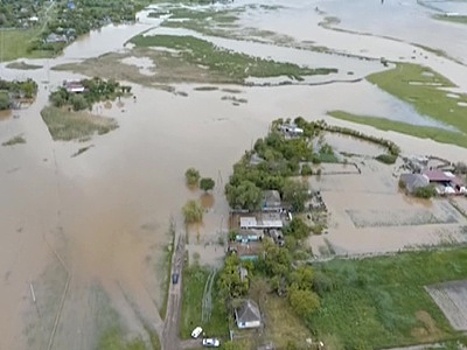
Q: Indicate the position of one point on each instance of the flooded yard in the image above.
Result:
(84, 235)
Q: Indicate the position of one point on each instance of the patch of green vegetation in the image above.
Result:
(194, 282)
(16, 44)
(386, 158)
(381, 302)
(454, 19)
(233, 65)
(81, 150)
(425, 132)
(23, 66)
(425, 192)
(421, 87)
(18, 139)
(66, 125)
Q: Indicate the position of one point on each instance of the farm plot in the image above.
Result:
(442, 213)
(451, 297)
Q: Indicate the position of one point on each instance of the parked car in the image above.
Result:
(196, 332)
(211, 342)
(175, 278)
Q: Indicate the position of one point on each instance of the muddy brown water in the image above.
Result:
(86, 234)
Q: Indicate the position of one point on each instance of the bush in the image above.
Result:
(192, 177)
(297, 229)
(207, 184)
(193, 212)
(425, 192)
(387, 158)
(79, 102)
(306, 170)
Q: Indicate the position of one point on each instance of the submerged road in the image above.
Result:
(170, 333)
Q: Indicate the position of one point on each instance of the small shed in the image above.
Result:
(248, 315)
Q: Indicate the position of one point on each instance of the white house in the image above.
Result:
(248, 315)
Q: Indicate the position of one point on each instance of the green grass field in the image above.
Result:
(194, 280)
(381, 302)
(427, 99)
(424, 132)
(14, 44)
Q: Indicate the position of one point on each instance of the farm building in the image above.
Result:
(414, 181)
(248, 315)
(261, 221)
(445, 182)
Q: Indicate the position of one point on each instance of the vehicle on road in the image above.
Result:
(211, 342)
(175, 278)
(196, 332)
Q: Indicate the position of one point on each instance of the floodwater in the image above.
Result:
(77, 228)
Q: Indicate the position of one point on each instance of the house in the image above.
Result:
(74, 87)
(291, 130)
(245, 251)
(271, 201)
(445, 182)
(413, 181)
(245, 236)
(248, 315)
(261, 221)
(55, 38)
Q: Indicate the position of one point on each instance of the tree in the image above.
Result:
(230, 282)
(193, 212)
(79, 102)
(302, 278)
(306, 170)
(303, 302)
(244, 196)
(296, 194)
(4, 101)
(297, 229)
(206, 184)
(192, 177)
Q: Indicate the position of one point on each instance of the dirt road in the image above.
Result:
(170, 334)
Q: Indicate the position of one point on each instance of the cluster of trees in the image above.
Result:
(11, 90)
(193, 179)
(96, 90)
(280, 158)
(14, 13)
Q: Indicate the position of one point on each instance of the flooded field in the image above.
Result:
(85, 235)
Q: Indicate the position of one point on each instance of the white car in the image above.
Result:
(196, 332)
(211, 342)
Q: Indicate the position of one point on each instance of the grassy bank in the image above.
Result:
(234, 66)
(424, 132)
(452, 19)
(381, 302)
(16, 42)
(421, 87)
(194, 282)
(21, 65)
(66, 125)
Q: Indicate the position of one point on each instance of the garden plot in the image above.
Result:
(440, 213)
(451, 298)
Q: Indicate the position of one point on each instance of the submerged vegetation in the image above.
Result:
(15, 91)
(66, 125)
(428, 92)
(234, 67)
(18, 139)
(193, 212)
(425, 132)
(453, 18)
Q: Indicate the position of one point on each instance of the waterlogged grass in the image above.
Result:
(18, 139)
(23, 66)
(194, 281)
(67, 125)
(413, 84)
(381, 302)
(454, 19)
(114, 340)
(424, 132)
(236, 67)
